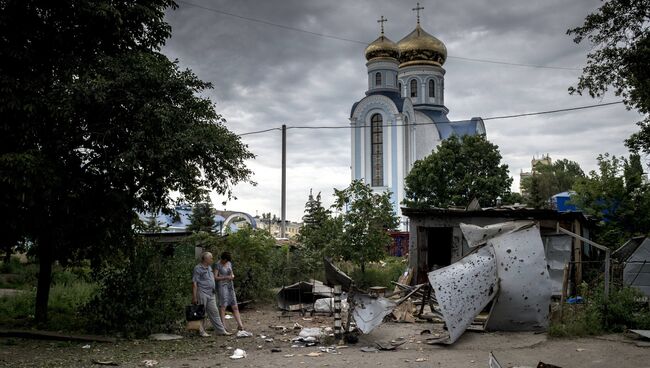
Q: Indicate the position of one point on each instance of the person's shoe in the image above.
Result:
(226, 333)
(204, 334)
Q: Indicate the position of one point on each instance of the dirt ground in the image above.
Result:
(472, 350)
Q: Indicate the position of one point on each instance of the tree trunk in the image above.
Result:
(8, 256)
(44, 281)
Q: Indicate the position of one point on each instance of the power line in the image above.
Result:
(323, 35)
(554, 111)
(450, 122)
(258, 132)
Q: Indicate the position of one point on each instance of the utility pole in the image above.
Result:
(283, 215)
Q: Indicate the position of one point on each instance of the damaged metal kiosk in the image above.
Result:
(505, 273)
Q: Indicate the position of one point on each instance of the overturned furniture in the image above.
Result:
(508, 269)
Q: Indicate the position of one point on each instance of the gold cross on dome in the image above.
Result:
(382, 20)
(417, 9)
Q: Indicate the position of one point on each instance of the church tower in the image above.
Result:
(402, 118)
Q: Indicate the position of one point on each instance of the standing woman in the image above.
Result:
(224, 276)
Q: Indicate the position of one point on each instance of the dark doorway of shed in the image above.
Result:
(439, 241)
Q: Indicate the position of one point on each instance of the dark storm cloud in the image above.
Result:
(265, 76)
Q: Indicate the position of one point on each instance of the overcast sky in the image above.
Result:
(265, 76)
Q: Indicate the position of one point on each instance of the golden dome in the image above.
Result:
(419, 47)
(382, 47)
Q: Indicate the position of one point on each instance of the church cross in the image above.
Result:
(417, 9)
(382, 20)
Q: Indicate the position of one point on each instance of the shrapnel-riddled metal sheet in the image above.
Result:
(477, 235)
(369, 312)
(464, 288)
(525, 290)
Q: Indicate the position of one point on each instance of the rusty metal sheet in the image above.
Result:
(525, 285)
(369, 312)
(464, 288)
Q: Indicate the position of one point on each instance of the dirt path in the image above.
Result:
(512, 349)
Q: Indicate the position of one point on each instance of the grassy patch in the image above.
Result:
(624, 309)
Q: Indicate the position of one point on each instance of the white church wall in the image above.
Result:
(427, 137)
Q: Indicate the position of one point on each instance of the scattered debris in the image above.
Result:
(149, 363)
(268, 340)
(369, 349)
(242, 333)
(421, 360)
(165, 337)
(279, 328)
(329, 349)
(276, 350)
(316, 332)
(104, 362)
(228, 316)
(87, 346)
(302, 295)
(297, 326)
(369, 312)
(404, 312)
(580, 350)
(238, 354)
(289, 355)
(326, 305)
(492, 362)
(302, 342)
(642, 333)
(314, 354)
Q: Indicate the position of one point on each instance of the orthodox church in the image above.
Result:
(403, 117)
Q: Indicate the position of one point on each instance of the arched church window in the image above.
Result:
(414, 88)
(377, 79)
(377, 150)
(432, 88)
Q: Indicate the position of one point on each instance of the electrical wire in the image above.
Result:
(450, 122)
(323, 35)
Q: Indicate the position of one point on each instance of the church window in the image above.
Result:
(414, 88)
(400, 89)
(377, 150)
(377, 79)
(432, 88)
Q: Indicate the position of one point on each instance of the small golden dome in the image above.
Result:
(419, 47)
(382, 47)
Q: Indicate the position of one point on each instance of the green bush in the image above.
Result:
(63, 307)
(379, 273)
(146, 293)
(254, 258)
(16, 275)
(624, 309)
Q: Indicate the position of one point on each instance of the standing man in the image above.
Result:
(203, 293)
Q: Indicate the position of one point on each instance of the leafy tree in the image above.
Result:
(548, 180)
(202, 217)
(98, 125)
(461, 169)
(618, 196)
(320, 231)
(619, 32)
(367, 217)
